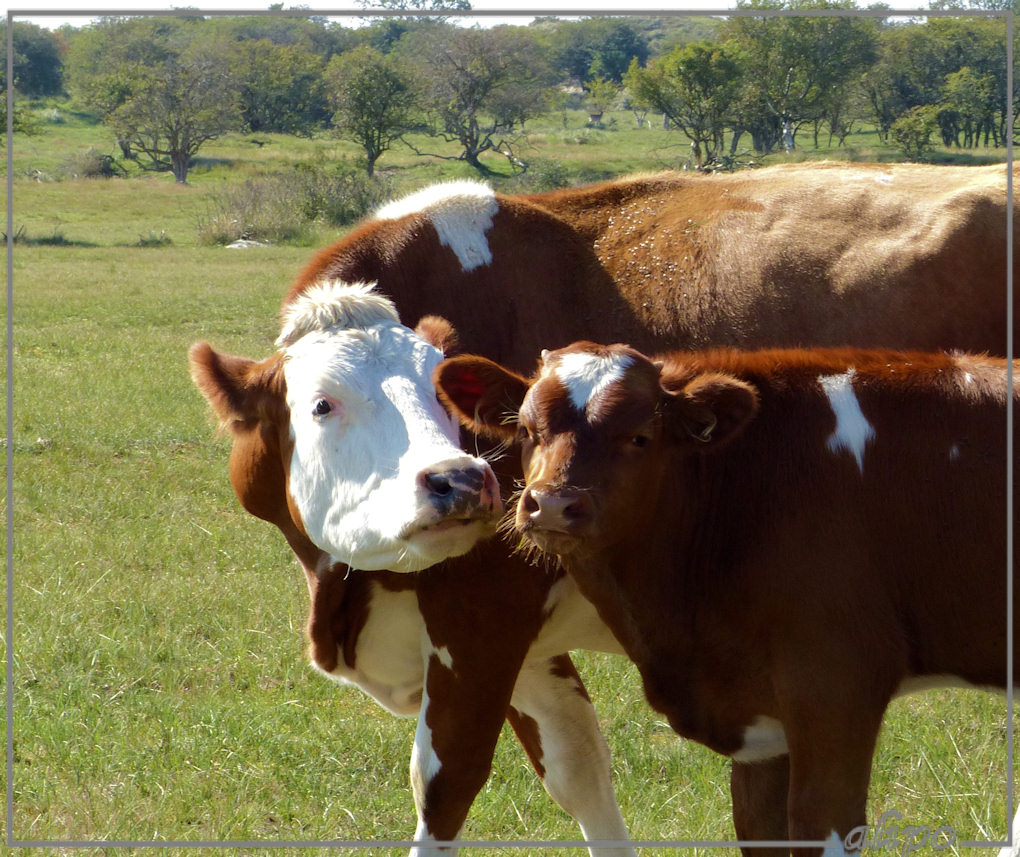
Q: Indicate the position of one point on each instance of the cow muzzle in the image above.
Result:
(456, 493)
(554, 518)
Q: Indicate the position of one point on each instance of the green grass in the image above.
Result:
(161, 687)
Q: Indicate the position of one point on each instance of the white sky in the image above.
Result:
(68, 8)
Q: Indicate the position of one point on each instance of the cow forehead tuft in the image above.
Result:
(443, 196)
(334, 304)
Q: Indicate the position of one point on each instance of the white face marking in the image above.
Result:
(586, 376)
(853, 431)
(765, 738)
(461, 213)
(954, 452)
(367, 427)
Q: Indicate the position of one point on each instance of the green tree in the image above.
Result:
(38, 64)
(598, 46)
(798, 65)
(157, 86)
(601, 94)
(373, 99)
(479, 86)
(696, 88)
(280, 87)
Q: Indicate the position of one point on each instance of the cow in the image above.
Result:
(781, 540)
(821, 254)
(340, 441)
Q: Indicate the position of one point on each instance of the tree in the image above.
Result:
(479, 86)
(157, 86)
(175, 108)
(695, 88)
(798, 65)
(281, 88)
(601, 95)
(38, 65)
(602, 47)
(913, 130)
(373, 100)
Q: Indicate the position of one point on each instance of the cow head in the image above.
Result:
(339, 438)
(599, 427)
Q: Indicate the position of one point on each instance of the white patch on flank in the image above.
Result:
(765, 738)
(585, 376)
(853, 431)
(883, 180)
(461, 213)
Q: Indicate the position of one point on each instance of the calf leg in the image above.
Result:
(557, 726)
(830, 766)
(759, 791)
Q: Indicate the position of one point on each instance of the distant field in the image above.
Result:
(161, 689)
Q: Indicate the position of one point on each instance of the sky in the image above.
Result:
(69, 8)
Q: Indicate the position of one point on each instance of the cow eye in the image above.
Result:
(640, 441)
(322, 408)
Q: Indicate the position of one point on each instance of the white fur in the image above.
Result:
(387, 659)
(574, 754)
(460, 211)
(586, 376)
(853, 431)
(764, 739)
(354, 474)
(425, 765)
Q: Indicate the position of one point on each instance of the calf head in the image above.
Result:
(340, 441)
(600, 428)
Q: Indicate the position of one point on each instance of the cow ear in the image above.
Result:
(437, 331)
(483, 395)
(710, 410)
(237, 388)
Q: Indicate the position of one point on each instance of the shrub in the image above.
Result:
(282, 207)
(91, 164)
(913, 130)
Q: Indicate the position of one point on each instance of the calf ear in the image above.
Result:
(437, 331)
(483, 395)
(711, 410)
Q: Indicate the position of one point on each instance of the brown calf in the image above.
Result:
(782, 541)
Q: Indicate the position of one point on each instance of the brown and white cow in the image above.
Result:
(782, 540)
(812, 254)
(340, 441)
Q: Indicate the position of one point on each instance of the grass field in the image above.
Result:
(161, 690)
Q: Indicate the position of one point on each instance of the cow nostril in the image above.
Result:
(530, 502)
(438, 484)
(576, 510)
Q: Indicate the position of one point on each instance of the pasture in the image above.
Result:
(161, 690)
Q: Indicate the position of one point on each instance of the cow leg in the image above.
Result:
(462, 713)
(759, 791)
(557, 726)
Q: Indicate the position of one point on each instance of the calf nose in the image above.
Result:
(555, 510)
(461, 488)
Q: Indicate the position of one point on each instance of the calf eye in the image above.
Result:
(323, 408)
(640, 441)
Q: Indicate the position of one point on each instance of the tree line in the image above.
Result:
(165, 86)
